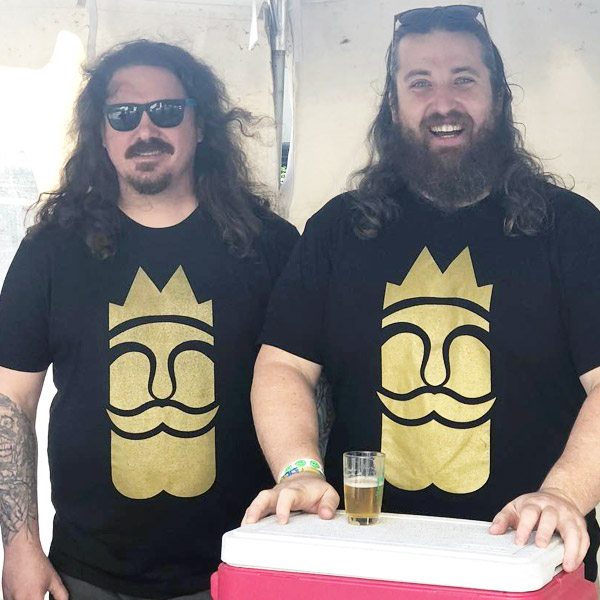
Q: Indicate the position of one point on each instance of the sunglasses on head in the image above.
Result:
(454, 12)
(126, 116)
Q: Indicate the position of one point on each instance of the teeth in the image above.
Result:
(446, 128)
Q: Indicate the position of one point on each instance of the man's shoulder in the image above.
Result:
(566, 204)
(334, 212)
(43, 245)
(46, 238)
(275, 225)
(575, 220)
(277, 235)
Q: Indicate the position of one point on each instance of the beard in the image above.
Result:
(452, 178)
(147, 184)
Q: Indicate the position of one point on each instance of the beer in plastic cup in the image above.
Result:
(363, 486)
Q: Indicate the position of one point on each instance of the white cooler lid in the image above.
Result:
(408, 548)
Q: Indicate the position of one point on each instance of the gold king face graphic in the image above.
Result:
(436, 390)
(162, 402)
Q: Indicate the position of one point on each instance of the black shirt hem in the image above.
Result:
(191, 584)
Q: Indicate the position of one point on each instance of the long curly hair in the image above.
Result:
(86, 200)
(523, 181)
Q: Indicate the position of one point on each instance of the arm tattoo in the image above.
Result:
(18, 471)
(325, 411)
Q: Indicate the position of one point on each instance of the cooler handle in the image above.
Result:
(558, 569)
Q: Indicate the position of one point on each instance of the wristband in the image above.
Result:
(302, 464)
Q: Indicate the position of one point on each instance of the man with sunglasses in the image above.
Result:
(143, 282)
(452, 302)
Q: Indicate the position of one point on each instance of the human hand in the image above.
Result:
(307, 492)
(28, 574)
(548, 510)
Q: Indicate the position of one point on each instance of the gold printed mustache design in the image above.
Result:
(436, 378)
(162, 399)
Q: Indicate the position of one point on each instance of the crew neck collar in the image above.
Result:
(137, 225)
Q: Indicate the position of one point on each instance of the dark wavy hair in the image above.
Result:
(523, 182)
(86, 200)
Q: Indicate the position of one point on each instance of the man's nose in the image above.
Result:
(147, 129)
(443, 100)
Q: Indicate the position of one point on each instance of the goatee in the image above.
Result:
(146, 184)
(150, 187)
(452, 178)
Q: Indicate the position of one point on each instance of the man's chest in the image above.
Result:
(434, 349)
(432, 304)
(102, 308)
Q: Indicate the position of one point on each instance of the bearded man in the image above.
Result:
(452, 302)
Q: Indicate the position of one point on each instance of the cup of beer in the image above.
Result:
(363, 486)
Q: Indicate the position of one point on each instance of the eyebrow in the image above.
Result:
(415, 72)
(455, 70)
(465, 70)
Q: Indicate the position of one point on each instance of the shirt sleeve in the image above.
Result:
(280, 241)
(294, 320)
(577, 227)
(24, 308)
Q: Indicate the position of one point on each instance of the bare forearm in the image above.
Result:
(284, 411)
(18, 473)
(577, 473)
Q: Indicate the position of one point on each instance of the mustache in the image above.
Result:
(435, 390)
(168, 419)
(169, 403)
(151, 145)
(443, 407)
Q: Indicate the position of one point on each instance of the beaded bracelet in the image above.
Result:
(301, 465)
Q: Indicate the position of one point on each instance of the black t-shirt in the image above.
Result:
(450, 346)
(152, 449)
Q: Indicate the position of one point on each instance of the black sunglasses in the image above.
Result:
(163, 113)
(454, 12)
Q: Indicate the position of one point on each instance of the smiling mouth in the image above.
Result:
(446, 131)
(149, 154)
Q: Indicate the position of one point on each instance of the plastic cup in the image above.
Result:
(363, 486)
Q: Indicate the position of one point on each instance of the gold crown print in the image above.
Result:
(426, 280)
(145, 299)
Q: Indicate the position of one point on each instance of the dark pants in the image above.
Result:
(81, 590)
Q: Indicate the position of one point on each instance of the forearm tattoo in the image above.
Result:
(18, 474)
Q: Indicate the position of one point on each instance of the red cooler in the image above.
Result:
(402, 557)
